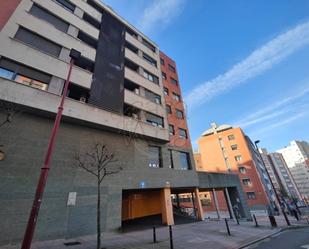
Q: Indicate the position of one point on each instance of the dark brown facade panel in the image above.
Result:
(107, 88)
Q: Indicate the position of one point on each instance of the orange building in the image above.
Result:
(227, 149)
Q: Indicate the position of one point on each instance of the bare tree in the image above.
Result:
(9, 109)
(98, 162)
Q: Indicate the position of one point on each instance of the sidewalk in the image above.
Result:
(198, 235)
(264, 221)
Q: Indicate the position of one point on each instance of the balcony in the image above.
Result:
(78, 111)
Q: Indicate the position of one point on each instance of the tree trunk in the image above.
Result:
(99, 216)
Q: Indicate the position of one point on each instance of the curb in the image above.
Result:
(272, 234)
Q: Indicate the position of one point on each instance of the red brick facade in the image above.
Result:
(7, 7)
(173, 87)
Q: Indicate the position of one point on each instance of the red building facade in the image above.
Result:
(176, 116)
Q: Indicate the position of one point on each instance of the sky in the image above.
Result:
(243, 63)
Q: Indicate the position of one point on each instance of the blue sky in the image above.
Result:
(244, 63)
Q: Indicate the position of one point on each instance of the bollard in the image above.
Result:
(256, 224)
(272, 220)
(227, 227)
(286, 219)
(237, 219)
(154, 235)
(171, 237)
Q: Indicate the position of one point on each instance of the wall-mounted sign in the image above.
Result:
(71, 199)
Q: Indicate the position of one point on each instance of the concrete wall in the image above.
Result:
(24, 143)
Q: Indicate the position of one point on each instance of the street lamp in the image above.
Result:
(74, 54)
(272, 184)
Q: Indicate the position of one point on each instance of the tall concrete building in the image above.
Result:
(280, 175)
(270, 168)
(296, 156)
(296, 152)
(226, 149)
(300, 173)
(116, 96)
(285, 176)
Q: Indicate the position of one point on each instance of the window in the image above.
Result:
(78, 93)
(165, 91)
(89, 40)
(175, 82)
(45, 15)
(131, 47)
(152, 97)
(176, 97)
(131, 65)
(171, 68)
(182, 133)
(85, 63)
(37, 42)
(154, 119)
(131, 86)
(92, 21)
(238, 158)
(131, 32)
(30, 82)
(179, 114)
(95, 5)
(242, 170)
(150, 60)
(131, 111)
(251, 195)
(234, 147)
(184, 161)
(7, 74)
(151, 77)
(162, 61)
(154, 157)
(171, 159)
(168, 109)
(22, 74)
(171, 129)
(231, 137)
(246, 182)
(149, 45)
(66, 4)
(163, 75)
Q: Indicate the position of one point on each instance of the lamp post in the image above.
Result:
(44, 171)
(272, 184)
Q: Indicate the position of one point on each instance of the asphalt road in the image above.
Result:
(291, 239)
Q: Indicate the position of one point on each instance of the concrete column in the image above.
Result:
(198, 205)
(79, 12)
(167, 209)
(55, 85)
(72, 30)
(228, 200)
(216, 202)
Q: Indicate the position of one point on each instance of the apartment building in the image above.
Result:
(285, 176)
(300, 173)
(296, 152)
(296, 156)
(280, 175)
(271, 170)
(226, 149)
(116, 97)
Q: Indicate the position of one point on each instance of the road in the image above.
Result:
(291, 239)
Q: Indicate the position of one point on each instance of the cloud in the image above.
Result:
(280, 123)
(281, 107)
(160, 13)
(259, 61)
